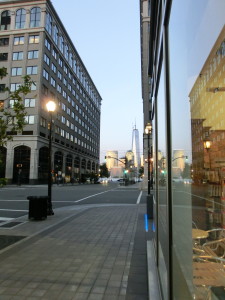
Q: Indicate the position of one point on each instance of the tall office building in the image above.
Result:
(33, 41)
(136, 147)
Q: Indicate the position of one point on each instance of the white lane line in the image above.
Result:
(5, 219)
(91, 196)
(14, 210)
(13, 200)
(139, 198)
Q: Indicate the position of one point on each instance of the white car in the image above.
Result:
(188, 181)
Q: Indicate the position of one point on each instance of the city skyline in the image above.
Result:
(112, 56)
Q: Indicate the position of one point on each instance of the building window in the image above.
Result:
(35, 17)
(65, 69)
(17, 55)
(54, 54)
(4, 41)
(1, 104)
(65, 81)
(29, 102)
(53, 82)
(5, 20)
(11, 120)
(29, 119)
(63, 119)
(64, 94)
(61, 43)
(47, 44)
(3, 56)
(59, 88)
(55, 34)
(33, 86)
(12, 103)
(42, 122)
(16, 71)
(66, 52)
(60, 75)
(48, 25)
(14, 87)
(19, 40)
(34, 39)
(32, 54)
(45, 74)
(32, 70)
(46, 59)
(54, 68)
(63, 107)
(60, 62)
(20, 18)
(62, 133)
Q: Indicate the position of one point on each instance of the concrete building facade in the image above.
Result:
(35, 43)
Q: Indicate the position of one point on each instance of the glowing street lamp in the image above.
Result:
(207, 145)
(51, 106)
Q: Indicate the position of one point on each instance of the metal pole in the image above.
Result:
(50, 211)
(148, 162)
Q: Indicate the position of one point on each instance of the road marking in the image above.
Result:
(139, 198)
(91, 196)
(13, 200)
(5, 219)
(14, 210)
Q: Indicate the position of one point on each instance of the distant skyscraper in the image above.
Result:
(136, 147)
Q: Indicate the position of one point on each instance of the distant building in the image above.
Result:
(117, 172)
(136, 147)
(178, 159)
(111, 159)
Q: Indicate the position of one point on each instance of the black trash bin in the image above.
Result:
(38, 207)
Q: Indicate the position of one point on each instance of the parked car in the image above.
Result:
(187, 181)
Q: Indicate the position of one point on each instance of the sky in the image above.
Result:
(106, 35)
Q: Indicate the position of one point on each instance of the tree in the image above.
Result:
(141, 171)
(104, 170)
(186, 172)
(13, 118)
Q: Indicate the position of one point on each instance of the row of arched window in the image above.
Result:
(20, 19)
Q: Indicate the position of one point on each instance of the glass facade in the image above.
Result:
(189, 148)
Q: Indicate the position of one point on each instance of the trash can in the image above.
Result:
(38, 207)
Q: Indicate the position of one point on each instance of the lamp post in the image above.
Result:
(148, 130)
(50, 108)
(207, 146)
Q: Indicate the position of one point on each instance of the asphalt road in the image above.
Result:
(14, 203)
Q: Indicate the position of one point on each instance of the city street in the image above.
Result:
(14, 203)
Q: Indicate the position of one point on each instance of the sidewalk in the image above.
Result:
(82, 252)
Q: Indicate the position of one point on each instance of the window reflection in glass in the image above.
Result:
(198, 139)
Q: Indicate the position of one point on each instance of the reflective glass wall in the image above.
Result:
(197, 81)
(190, 183)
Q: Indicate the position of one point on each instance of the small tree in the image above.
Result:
(104, 170)
(13, 118)
(141, 171)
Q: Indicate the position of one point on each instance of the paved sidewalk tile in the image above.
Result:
(86, 257)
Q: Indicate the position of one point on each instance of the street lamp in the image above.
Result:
(207, 146)
(50, 108)
(148, 130)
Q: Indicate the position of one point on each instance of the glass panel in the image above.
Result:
(197, 48)
(162, 193)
